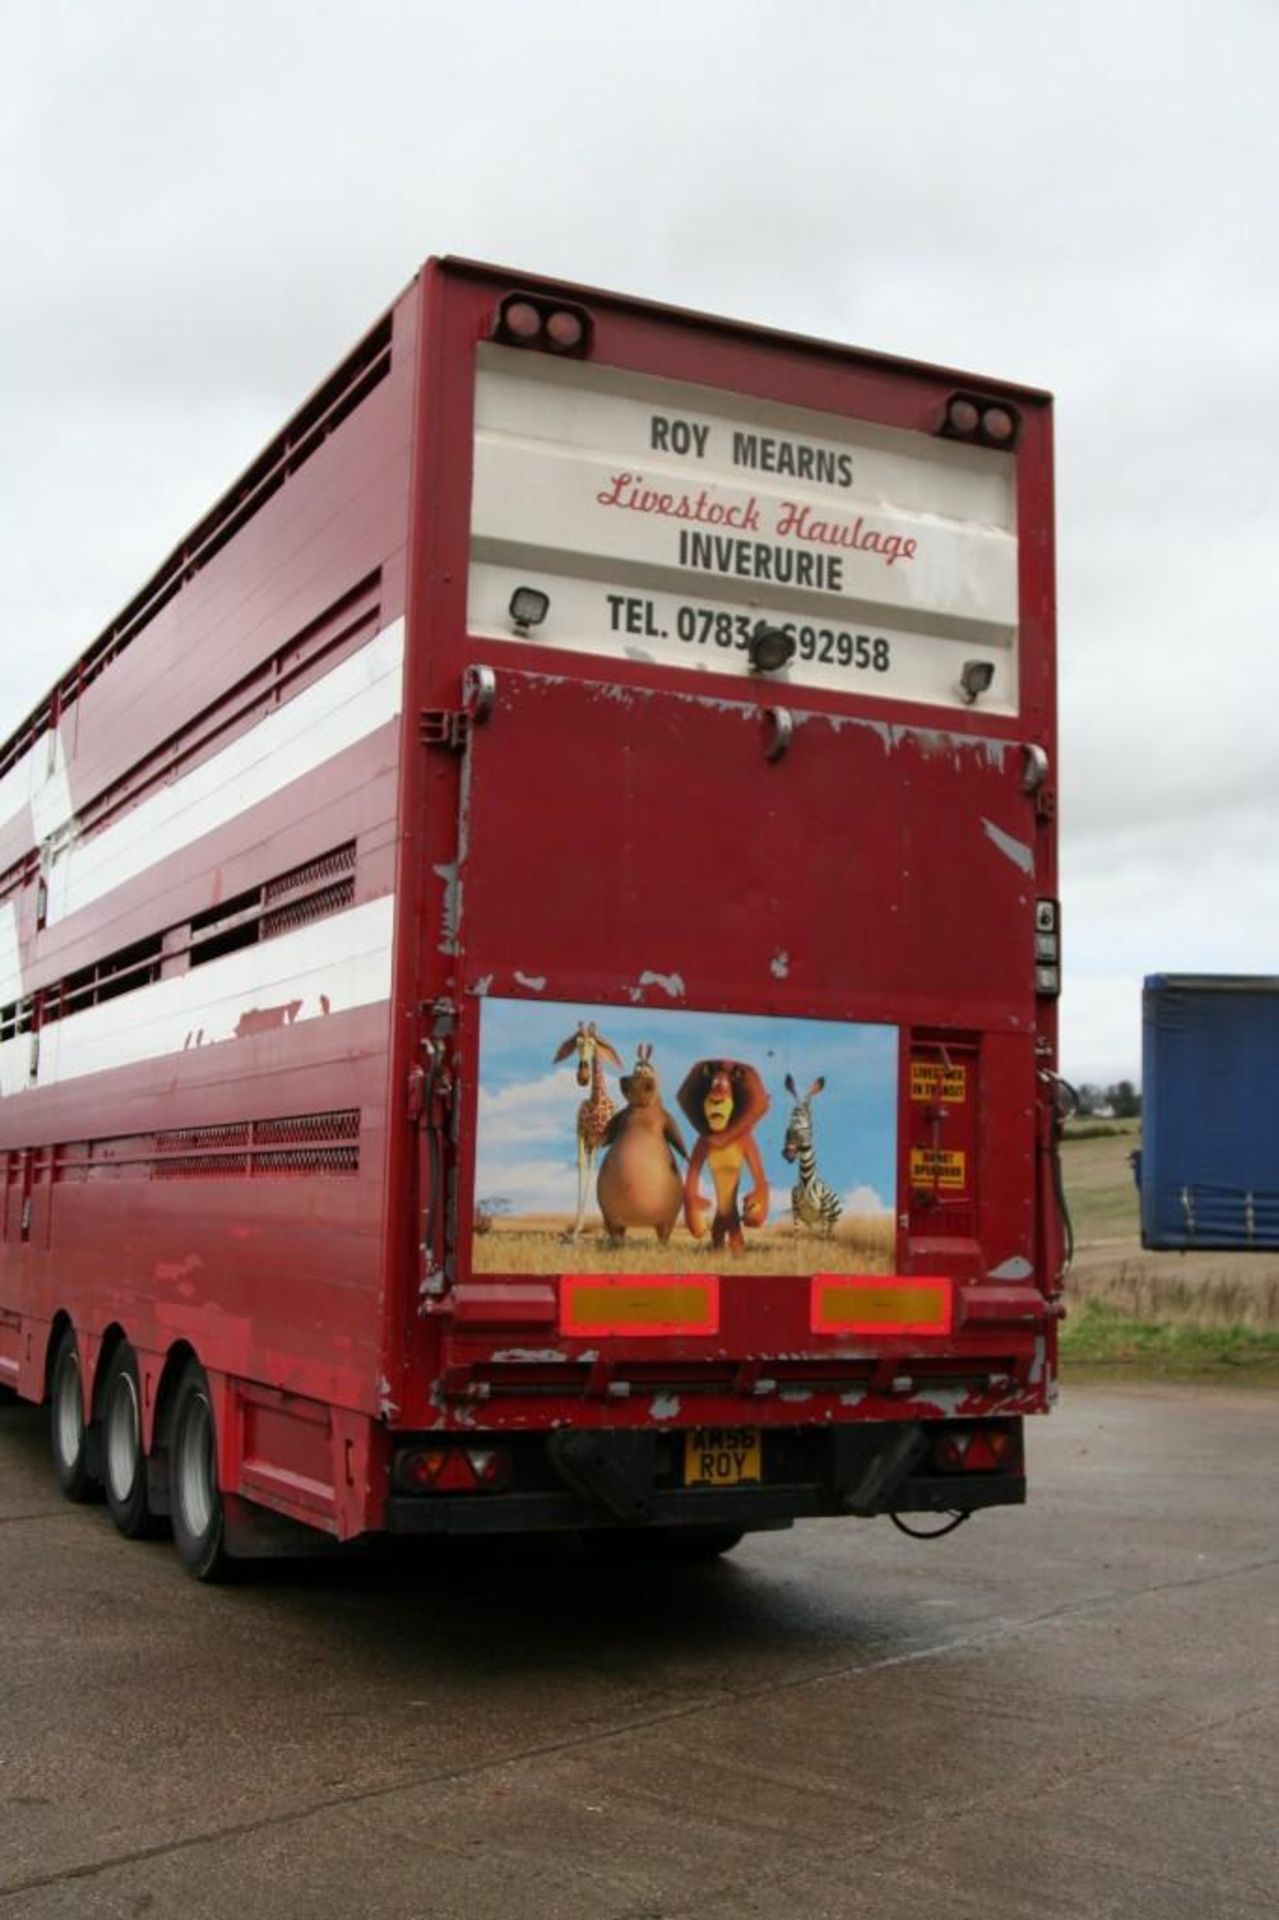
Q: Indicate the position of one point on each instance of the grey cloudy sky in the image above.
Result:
(198, 216)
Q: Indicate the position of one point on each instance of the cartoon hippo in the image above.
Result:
(639, 1184)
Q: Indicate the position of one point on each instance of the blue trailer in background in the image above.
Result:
(1209, 1169)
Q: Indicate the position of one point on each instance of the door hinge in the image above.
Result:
(447, 727)
(450, 727)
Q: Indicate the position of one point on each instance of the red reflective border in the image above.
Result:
(880, 1303)
(646, 1304)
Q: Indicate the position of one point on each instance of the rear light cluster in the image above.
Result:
(453, 1469)
(976, 1449)
(523, 321)
(969, 417)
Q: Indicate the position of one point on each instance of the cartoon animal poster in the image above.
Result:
(652, 1140)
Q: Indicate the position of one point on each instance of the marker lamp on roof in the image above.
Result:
(963, 416)
(998, 425)
(972, 416)
(529, 607)
(565, 330)
(521, 320)
(528, 320)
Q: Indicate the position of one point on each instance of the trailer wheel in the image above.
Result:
(68, 1434)
(660, 1546)
(124, 1465)
(199, 1525)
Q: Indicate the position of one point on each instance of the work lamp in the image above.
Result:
(529, 607)
(975, 679)
(770, 648)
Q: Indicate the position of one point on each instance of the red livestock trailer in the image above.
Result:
(529, 953)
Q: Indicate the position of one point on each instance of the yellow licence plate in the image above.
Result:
(722, 1457)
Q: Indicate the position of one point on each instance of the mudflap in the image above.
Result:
(885, 1473)
(255, 1532)
(612, 1470)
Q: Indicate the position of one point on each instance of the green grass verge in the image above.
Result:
(1101, 1340)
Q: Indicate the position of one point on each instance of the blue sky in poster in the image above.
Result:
(527, 1107)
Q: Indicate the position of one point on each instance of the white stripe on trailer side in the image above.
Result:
(10, 955)
(15, 1065)
(15, 787)
(329, 967)
(37, 784)
(357, 697)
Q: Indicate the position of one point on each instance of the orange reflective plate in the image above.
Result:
(878, 1305)
(633, 1304)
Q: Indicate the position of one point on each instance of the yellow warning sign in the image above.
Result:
(938, 1167)
(930, 1080)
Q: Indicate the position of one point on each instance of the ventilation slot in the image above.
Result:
(294, 900)
(202, 1153)
(226, 929)
(197, 1138)
(18, 1017)
(324, 886)
(328, 867)
(304, 1144)
(306, 1128)
(299, 913)
(122, 972)
(311, 893)
(303, 1160)
(202, 1166)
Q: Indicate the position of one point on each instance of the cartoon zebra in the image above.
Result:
(813, 1203)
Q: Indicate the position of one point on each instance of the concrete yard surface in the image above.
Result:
(1071, 1710)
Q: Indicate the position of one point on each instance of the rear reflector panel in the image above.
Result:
(601, 1304)
(876, 1305)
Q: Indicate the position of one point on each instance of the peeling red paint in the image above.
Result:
(171, 1270)
(267, 1019)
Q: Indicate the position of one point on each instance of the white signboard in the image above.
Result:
(665, 521)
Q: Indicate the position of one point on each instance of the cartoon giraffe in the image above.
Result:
(595, 1112)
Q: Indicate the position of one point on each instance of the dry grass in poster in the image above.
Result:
(535, 1243)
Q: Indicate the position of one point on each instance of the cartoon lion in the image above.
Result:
(725, 1100)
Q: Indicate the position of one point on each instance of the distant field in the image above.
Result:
(1158, 1314)
(1161, 1313)
(534, 1243)
(1099, 1183)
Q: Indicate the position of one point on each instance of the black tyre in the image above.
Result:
(69, 1439)
(660, 1546)
(124, 1466)
(199, 1525)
